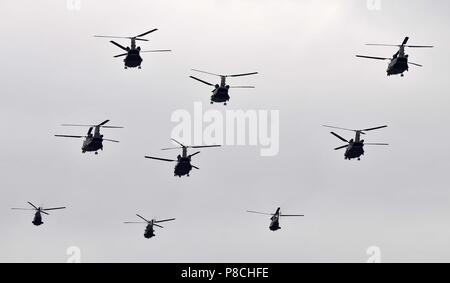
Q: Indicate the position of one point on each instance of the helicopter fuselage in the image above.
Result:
(149, 231)
(92, 144)
(275, 224)
(37, 221)
(133, 59)
(220, 95)
(398, 66)
(354, 150)
(183, 166)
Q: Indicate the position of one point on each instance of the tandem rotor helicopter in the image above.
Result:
(221, 91)
(275, 219)
(149, 230)
(399, 62)
(37, 221)
(184, 165)
(133, 58)
(92, 142)
(355, 147)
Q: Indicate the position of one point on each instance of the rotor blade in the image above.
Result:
(174, 140)
(339, 137)
(112, 127)
(373, 129)
(54, 208)
(157, 225)
(27, 209)
(242, 75)
(118, 45)
(160, 159)
(419, 46)
(145, 33)
(341, 147)
(256, 212)
(165, 220)
(111, 140)
(194, 154)
(41, 211)
(77, 125)
(415, 64)
(392, 45)
(109, 36)
(140, 39)
(159, 50)
(65, 136)
(292, 215)
(103, 123)
(171, 148)
(381, 144)
(121, 55)
(33, 205)
(195, 167)
(204, 146)
(371, 57)
(202, 81)
(206, 72)
(351, 130)
(242, 87)
(142, 218)
(135, 222)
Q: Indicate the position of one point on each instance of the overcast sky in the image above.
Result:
(54, 72)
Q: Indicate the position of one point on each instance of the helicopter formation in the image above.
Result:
(93, 140)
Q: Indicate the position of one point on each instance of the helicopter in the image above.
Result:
(149, 230)
(37, 221)
(184, 165)
(355, 148)
(133, 58)
(399, 62)
(221, 91)
(92, 142)
(275, 219)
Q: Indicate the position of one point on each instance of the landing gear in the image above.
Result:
(225, 104)
(139, 67)
(125, 67)
(96, 153)
(212, 102)
(402, 75)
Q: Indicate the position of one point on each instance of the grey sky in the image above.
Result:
(55, 72)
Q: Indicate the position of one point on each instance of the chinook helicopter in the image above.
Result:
(399, 62)
(149, 230)
(355, 148)
(183, 166)
(275, 219)
(221, 91)
(133, 58)
(92, 142)
(37, 221)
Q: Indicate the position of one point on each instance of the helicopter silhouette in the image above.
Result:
(149, 230)
(221, 91)
(399, 62)
(183, 166)
(133, 58)
(37, 221)
(275, 218)
(355, 148)
(92, 142)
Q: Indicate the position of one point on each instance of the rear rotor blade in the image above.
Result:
(33, 205)
(134, 222)
(206, 72)
(159, 50)
(174, 140)
(202, 81)
(242, 87)
(111, 36)
(195, 167)
(419, 46)
(157, 225)
(292, 215)
(145, 33)
(43, 212)
(54, 208)
(194, 154)
(415, 64)
(373, 129)
(142, 218)
(242, 75)
(405, 40)
(256, 212)
(341, 147)
(371, 57)
(111, 140)
(118, 45)
(160, 159)
(339, 137)
(121, 55)
(171, 148)
(332, 127)
(375, 144)
(204, 146)
(165, 220)
(27, 209)
(65, 136)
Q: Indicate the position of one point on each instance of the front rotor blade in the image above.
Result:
(159, 50)
(178, 142)
(165, 220)
(391, 45)
(157, 225)
(112, 127)
(292, 215)
(65, 136)
(332, 127)
(373, 129)
(54, 208)
(256, 212)
(108, 36)
(242, 87)
(242, 75)
(415, 64)
(103, 123)
(160, 159)
(371, 57)
(43, 212)
(118, 45)
(145, 33)
(142, 218)
(419, 46)
(134, 222)
(171, 148)
(33, 205)
(206, 72)
(27, 209)
(339, 137)
(202, 81)
(111, 140)
(121, 55)
(341, 147)
(195, 167)
(194, 154)
(375, 144)
(204, 146)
